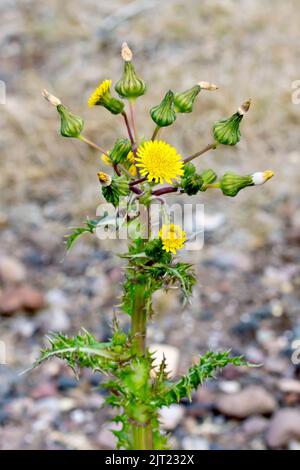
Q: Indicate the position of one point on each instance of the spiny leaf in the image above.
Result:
(208, 364)
(88, 227)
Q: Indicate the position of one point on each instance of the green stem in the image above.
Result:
(156, 130)
(132, 116)
(141, 432)
(204, 150)
(92, 144)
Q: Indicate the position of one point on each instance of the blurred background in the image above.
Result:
(247, 297)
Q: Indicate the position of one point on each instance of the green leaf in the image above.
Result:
(208, 364)
(82, 350)
(88, 227)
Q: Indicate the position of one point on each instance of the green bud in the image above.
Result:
(119, 338)
(189, 170)
(227, 131)
(191, 182)
(163, 114)
(208, 177)
(184, 101)
(232, 183)
(130, 86)
(119, 187)
(71, 125)
(120, 150)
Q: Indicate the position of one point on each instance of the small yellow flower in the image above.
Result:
(172, 237)
(130, 157)
(104, 179)
(159, 161)
(105, 158)
(98, 94)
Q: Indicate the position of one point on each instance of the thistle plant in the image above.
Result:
(140, 173)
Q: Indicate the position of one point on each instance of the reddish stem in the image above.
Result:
(128, 127)
(141, 180)
(169, 189)
(117, 169)
(136, 190)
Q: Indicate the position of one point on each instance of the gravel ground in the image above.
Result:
(247, 298)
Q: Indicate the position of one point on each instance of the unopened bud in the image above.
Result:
(163, 114)
(227, 131)
(130, 86)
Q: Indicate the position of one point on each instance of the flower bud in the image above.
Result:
(208, 177)
(231, 183)
(163, 114)
(119, 338)
(102, 96)
(104, 179)
(184, 101)
(120, 150)
(227, 131)
(191, 182)
(130, 85)
(119, 187)
(71, 125)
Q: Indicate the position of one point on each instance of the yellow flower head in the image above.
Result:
(104, 179)
(98, 94)
(130, 157)
(105, 158)
(172, 237)
(131, 160)
(159, 161)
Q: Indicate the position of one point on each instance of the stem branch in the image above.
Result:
(92, 144)
(197, 154)
(128, 127)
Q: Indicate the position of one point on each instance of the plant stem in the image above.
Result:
(204, 150)
(212, 185)
(128, 127)
(168, 189)
(141, 432)
(140, 180)
(132, 116)
(115, 166)
(92, 144)
(138, 319)
(156, 130)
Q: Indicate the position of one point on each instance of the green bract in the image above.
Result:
(184, 101)
(130, 85)
(227, 131)
(163, 114)
(71, 125)
(120, 150)
(118, 187)
(208, 177)
(191, 182)
(232, 183)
